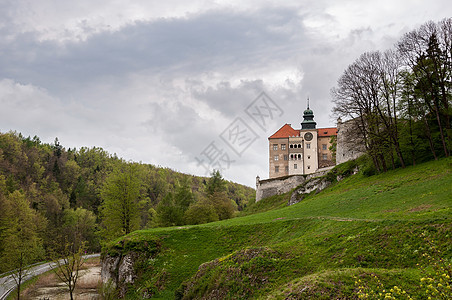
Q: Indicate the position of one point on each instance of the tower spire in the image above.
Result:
(308, 119)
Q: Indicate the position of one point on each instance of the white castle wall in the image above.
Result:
(349, 144)
(276, 186)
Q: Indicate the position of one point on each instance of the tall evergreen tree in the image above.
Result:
(215, 183)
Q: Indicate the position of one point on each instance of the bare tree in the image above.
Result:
(389, 68)
(357, 97)
(69, 265)
(69, 250)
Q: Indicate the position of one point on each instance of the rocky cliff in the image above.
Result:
(121, 263)
(277, 186)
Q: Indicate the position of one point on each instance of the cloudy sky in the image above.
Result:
(179, 83)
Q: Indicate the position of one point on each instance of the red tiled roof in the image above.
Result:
(326, 131)
(285, 132)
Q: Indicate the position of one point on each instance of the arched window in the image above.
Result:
(291, 156)
(291, 146)
(299, 145)
(299, 156)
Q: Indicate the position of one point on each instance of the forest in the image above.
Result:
(52, 197)
(399, 100)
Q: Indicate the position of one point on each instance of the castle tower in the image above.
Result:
(300, 151)
(309, 134)
(308, 119)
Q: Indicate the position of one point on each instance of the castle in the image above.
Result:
(301, 151)
(300, 157)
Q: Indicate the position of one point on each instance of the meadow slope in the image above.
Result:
(314, 249)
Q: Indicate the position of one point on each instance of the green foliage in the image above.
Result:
(19, 236)
(108, 291)
(216, 183)
(183, 196)
(238, 275)
(20, 226)
(168, 213)
(120, 202)
(133, 243)
(171, 208)
(435, 282)
(80, 224)
(201, 212)
(62, 185)
(400, 99)
(358, 227)
(223, 206)
(333, 147)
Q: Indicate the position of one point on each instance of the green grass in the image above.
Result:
(313, 249)
(266, 204)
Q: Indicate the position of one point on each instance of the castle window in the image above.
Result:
(291, 146)
(308, 145)
(299, 156)
(309, 167)
(286, 157)
(299, 145)
(323, 146)
(291, 156)
(295, 166)
(324, 156)
(283, 146)
(309, 156)
(276, 157)
(287, 168)
(276, 169)
(275, 147)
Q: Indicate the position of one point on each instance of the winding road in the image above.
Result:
(8, 285)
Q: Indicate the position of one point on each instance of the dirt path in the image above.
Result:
(48, 287)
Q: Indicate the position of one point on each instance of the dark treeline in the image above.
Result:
(400, 99)
(51, 196)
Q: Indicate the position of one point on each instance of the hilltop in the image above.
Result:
(314, 249)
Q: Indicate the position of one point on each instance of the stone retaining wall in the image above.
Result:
(276, 186)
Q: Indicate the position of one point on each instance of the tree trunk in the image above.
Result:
(429, 137)
(438, 119)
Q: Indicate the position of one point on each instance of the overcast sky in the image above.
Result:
(179, 83)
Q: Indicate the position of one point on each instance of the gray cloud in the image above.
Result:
(158, 86)
(202, 43)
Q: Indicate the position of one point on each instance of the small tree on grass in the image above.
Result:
(70, 247)
(69, 264)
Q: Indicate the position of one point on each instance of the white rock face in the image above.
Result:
(119, 271)
(278, 186)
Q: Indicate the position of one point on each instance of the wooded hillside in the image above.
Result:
(56, 193)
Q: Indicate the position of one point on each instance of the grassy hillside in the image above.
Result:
(360, 226)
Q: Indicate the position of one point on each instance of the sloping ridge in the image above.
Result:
(314, 249)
